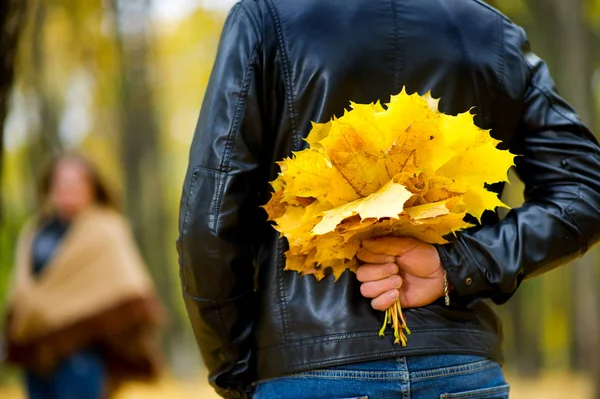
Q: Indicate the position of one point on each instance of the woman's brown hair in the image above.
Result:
(103, 195)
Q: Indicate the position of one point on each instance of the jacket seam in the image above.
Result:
(240, 105)
(398, 67)
(360, 335)
(187, 202)
(184, 225)
(282, 294)
(286, 73)
(217, 302)
(217, 199)
(501, 48)
(231, 140)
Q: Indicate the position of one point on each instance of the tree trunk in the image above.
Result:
(48, 107)
(12, 17)
(140, 154)
(45, 141)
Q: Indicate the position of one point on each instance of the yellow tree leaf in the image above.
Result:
(291, 222)
(438, 188)
(476, 166)
(427, 211)
(401, 157)
(364, 120)
(418, 139)
(276, 207)
(461, 133)
(351, 154)
(319, 132)
(388, 202)
(310, 174)
(478, 199)
(432, 102)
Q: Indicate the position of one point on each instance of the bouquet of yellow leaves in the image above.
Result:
(404, 170)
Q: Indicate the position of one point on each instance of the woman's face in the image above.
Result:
(71, 188)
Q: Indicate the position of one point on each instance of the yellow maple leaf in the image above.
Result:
(476, 166)
(432, 102)
(311, 174)
(387, 202)
(355, 159)
(478, 199)
(427, 211)
(276, 207)
(461, 133)
(318, 132)
(291, 220)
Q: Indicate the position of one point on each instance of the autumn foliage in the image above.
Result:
(404, 170)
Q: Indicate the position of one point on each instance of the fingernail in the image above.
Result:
(393, 269)
(397, 281)
(393, 294)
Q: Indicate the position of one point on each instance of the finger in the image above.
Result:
(368, 273)
(395, 246)
(385, 301)
(367, 256)
(373, 289)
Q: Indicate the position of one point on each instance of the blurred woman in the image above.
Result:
(83, 313)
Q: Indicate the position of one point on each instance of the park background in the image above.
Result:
(123, 81)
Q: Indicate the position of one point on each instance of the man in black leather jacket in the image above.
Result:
(284, 63)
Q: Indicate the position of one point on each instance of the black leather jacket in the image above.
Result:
(284, 63)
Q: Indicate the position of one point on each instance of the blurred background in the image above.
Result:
(122, 81)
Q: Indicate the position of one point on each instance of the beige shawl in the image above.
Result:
(95, 290)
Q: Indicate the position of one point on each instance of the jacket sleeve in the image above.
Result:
(559, 163)
(220, 217)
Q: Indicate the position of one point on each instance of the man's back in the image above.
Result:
(284, 64)
(365, 50)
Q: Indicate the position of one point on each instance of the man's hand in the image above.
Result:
(397, 267)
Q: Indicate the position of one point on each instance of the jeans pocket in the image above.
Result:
(500, 392)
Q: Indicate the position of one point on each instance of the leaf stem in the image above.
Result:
(395, 317)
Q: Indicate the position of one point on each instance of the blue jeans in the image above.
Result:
(81, 376)
(413, 377)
